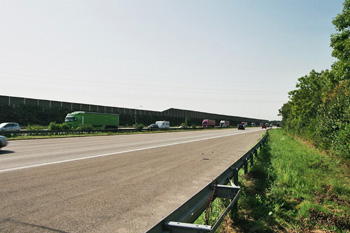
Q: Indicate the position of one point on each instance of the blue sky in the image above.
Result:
(227, 57)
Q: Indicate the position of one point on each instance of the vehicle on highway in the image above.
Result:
(153, 126)
(97, 120)
(206, 123)
(241, 126)
(163, 124)
(3, 141)
(224, 124)
(263, 126)
(245, 124)
(9, 126)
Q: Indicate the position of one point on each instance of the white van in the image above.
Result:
(163, 124)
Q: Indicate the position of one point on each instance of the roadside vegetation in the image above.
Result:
(319, 109)
(292, 187)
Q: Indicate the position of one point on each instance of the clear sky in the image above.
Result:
(229, 57)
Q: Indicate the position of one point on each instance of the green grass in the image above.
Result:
(294, 187)
(290, 188)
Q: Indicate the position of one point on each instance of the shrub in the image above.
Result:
(35, 127)
(56, 126)
(139, 126)
(64, 126)
(85, 127)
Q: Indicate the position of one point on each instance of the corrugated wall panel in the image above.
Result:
(177, 113)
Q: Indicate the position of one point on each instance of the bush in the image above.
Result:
(56, 126)
(85, 127)
(35, 127)
(342, 142)
(64, 126)
(139, 126)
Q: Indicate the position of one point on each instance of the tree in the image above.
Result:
(340, 42)
(319, 109)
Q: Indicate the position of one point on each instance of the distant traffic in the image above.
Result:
(81, 120)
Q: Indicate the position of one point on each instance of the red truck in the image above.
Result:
(208, 123)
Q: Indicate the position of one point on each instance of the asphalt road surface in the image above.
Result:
(123, 183)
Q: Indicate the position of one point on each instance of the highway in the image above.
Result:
(122, 183)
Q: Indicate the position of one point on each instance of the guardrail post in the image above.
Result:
(235, 176)
(252, 159)
(245, 163)
(235, 181)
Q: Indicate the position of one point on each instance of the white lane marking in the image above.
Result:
(116, 153)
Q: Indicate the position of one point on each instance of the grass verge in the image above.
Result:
(290, 188)
(294, 188)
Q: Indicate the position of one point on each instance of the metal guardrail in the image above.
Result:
(60, 132)
(181, 220)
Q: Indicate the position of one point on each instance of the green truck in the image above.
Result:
(97, 120)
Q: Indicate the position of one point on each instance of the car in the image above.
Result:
(3, 141)
(9, 126)
(153, 126)
(263, 126)
(241, 126)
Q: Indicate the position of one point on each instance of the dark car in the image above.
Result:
(263, 126)
(153, 126)
(3, 141)
(241, 126)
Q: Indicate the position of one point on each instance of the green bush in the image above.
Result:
(56, 126)
(184, 124)
(64, 126)
(85, 127)
(139, 126)
(319, 109)
(35, 127)
(342, 143)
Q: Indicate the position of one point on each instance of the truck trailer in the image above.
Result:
(206, 123)
(97, 120)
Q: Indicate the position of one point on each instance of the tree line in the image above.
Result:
(319, 108)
